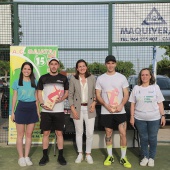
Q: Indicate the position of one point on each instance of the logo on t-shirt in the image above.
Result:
(148, 99)
(53, 96)
(113, 98)
(59, 81)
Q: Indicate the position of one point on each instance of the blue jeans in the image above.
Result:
(148, 131)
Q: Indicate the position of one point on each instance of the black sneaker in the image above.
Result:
(44, 160)
(61, 160)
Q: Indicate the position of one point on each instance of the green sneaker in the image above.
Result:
(109, 160)
(125, 162)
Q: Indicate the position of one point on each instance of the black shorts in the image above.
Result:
(112, 120)
(52, 121)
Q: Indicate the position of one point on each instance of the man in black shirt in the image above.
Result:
(55, 90)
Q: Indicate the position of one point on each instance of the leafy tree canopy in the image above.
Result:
(167, 50)
(123, 67)
(163, 67)
(96, 68)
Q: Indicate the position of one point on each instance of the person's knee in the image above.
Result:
(109, 132)
(152, 138)
(144, 137)
(46, 134)
(123, 135)
(59, 134)
(89, 135)
(29, 135)
(20, 135)
(79, 131)
(122, 126)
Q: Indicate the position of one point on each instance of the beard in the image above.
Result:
(53, 71)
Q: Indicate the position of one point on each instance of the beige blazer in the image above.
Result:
(74, 96)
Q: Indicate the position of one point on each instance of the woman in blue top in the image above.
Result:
(26, 113)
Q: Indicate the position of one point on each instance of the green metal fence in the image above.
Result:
(89, 30)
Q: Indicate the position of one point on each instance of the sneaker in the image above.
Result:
(125, 162)
(109, 160)
(151, 162)
(61, 160)
(144, 161)
(89, 159)
(28, 161)
(79, 158)
(21, 162)
(44, 160)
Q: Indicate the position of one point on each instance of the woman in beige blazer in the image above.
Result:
(82, 101)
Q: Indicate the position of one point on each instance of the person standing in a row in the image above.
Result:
(82, 100)
(27, 111)
(112, 92)
(55, 90)
(147, 113)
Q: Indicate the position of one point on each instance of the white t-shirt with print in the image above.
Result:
(146, 101)
(114, 84)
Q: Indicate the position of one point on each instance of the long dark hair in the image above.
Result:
(31, 76)
(152, 80)
(87, 74)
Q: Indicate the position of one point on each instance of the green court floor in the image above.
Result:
(9, 157)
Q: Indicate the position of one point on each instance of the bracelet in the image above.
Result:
(41, 104)
(163, 115)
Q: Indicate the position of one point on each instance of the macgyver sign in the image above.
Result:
(142, 22)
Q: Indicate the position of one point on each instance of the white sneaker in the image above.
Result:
(89, 159)
(21, 161)
(28, 161)
(79, 158)
(151, 162)
(144, 161)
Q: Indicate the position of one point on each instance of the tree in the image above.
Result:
(125, 68)
(4, 67)
(167, 50)
(70, 70)
(96, 68)
(163, 67)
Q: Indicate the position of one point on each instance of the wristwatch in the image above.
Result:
(163, 115)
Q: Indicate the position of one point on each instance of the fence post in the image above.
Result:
(16, 24)
(110, 28)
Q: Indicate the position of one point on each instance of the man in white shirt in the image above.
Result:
(112, 93)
